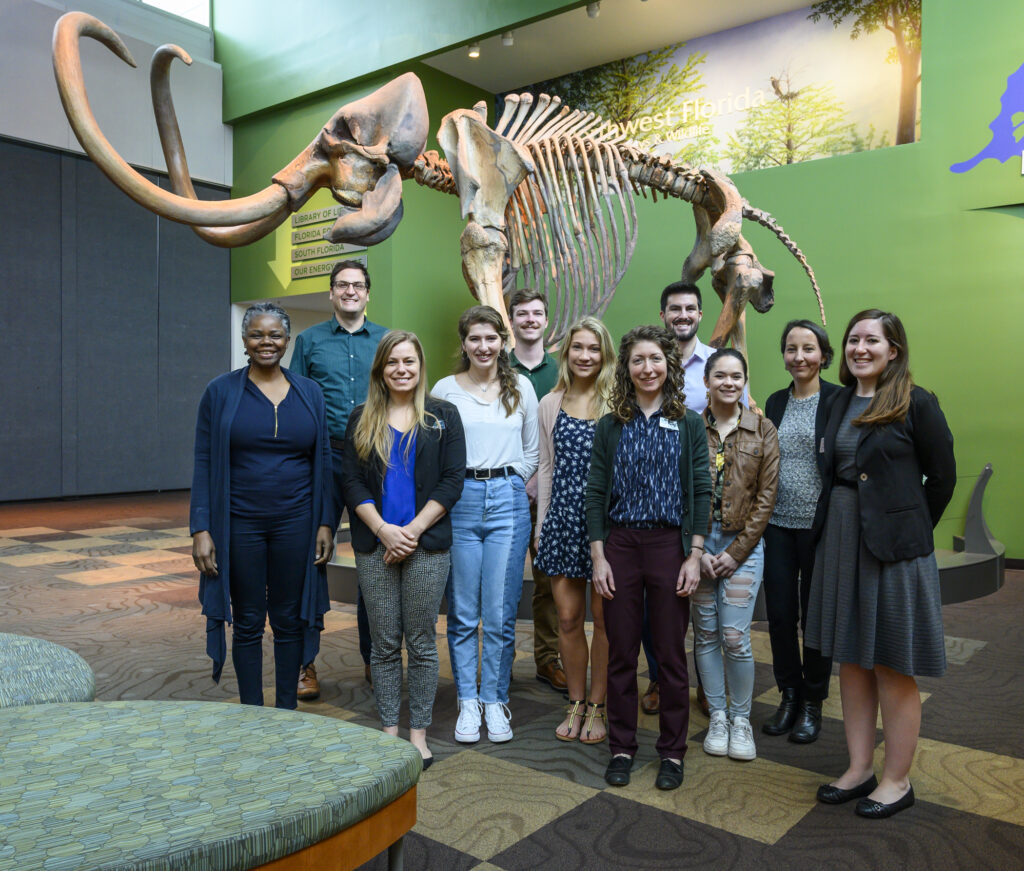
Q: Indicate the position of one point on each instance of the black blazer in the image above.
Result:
(897, 511)
(775, 408)
(440, 472)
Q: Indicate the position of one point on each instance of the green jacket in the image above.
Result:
(694, 477)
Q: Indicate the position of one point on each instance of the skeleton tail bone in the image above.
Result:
(766, 220)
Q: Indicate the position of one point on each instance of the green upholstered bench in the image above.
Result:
(37, 672)
(198, 785)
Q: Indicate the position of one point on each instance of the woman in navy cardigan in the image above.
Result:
(262, 517)
(405, 466)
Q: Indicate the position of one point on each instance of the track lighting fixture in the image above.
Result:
(593, 10)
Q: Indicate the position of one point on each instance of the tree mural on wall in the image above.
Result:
(902, 18)
(799, 124)
(642, 96)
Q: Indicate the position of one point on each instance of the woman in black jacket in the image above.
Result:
(405, 464)
(875, 600)
(799, 413)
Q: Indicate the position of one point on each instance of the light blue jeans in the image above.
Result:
(490, 535)
(721, 611)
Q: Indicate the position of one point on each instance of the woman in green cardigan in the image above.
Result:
(646, 528)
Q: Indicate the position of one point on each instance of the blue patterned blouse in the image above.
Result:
(645, 483)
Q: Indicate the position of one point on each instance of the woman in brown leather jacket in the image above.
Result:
(744, 457)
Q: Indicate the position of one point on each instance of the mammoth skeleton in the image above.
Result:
(359, 155)
(548, 194)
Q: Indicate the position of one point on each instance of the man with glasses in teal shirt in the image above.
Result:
(338, 354)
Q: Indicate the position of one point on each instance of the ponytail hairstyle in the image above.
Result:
(507, 378)
(605, 381)
(891, 401)
(673, 396)
(373, 432)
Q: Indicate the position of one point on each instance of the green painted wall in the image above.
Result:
(269, 59)
(893, 228)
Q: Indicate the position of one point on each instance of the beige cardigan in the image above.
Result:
(547, 414)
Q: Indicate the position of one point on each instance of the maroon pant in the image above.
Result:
(646, 561)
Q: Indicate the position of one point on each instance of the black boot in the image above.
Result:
(783, 719)
(808, 724)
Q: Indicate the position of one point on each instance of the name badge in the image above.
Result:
(665, 423)
(439, 424)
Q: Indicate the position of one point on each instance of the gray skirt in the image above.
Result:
(867, 612)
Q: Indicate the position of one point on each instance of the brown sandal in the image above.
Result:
(574, 712)
(594, 710)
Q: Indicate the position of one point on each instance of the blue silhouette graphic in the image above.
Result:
(1004, 144)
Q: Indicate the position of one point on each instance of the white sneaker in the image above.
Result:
(716, 743)
(467, 729)
(497, 716)
(741, 740)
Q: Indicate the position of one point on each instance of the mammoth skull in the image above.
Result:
(360, 154)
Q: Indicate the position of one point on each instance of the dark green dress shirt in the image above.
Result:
(339, 361)
(542, 378)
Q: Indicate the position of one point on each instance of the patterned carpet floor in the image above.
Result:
(112, 579)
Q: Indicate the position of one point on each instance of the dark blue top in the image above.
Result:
(339, 361)
(210, 507)
(645, 493)
(271, 455)
(398, 500)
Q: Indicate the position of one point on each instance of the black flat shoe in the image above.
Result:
(428, 762)
(808, 724)
(617, 772)
(670, 774)
(784, 718)
(828, 794)
(875, 810)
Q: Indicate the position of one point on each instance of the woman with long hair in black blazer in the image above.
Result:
(875, 600)
(799, 413)
(405, 464)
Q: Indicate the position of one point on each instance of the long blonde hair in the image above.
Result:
(373, 432)
(507, 378)
(605, 381)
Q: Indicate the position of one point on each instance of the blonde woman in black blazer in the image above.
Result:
(404, 468)
(875, 601)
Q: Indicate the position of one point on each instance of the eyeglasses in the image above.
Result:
(345, 285)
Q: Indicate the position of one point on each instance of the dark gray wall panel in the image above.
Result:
(114, 321)
(30, 311)
(195, 320)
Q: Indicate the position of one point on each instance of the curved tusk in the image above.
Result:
(177, 164)
(67, 68)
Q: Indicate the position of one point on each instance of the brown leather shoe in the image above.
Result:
(368, 675)
(702, 702)
(309, 686)
(551, 673)
(650, 702)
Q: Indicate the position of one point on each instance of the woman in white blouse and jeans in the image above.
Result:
(490, 522)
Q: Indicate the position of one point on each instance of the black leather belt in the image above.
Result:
(486, 474)
(338, 444)
(844, 482)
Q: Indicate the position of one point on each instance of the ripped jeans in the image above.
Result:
(721, 611)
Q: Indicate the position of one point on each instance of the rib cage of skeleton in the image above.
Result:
(549, 193)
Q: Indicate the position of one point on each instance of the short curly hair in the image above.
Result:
(673, 395)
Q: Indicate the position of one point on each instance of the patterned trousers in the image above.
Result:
(403, 599)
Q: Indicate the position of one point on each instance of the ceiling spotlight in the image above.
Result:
(474, 49)
(507, 39)
(593, 10)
